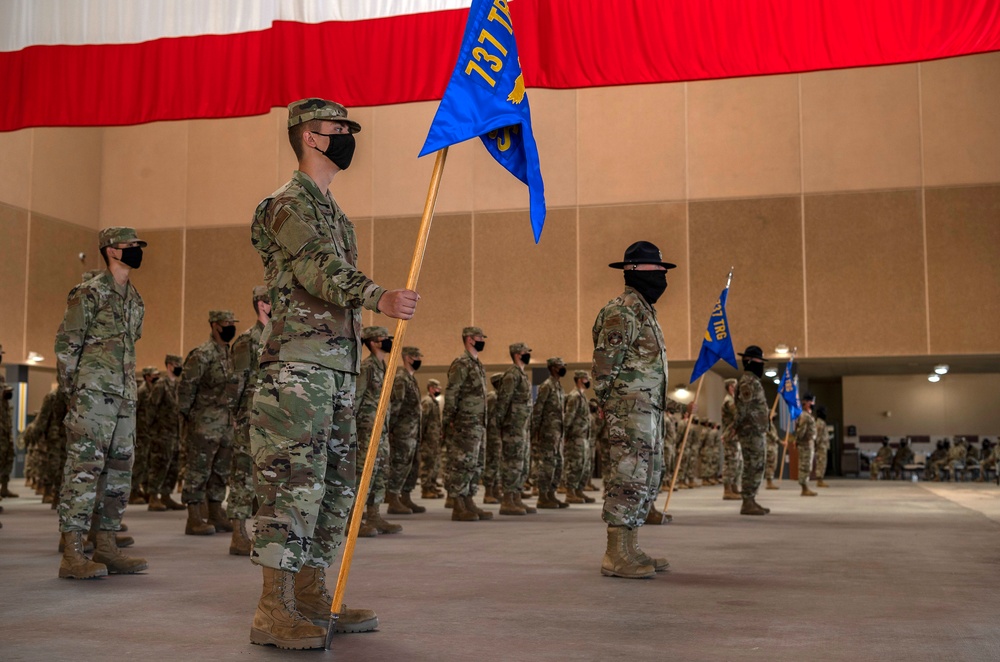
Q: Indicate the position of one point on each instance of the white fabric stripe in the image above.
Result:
(26, 23)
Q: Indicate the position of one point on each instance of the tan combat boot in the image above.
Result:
(277, 622)
(518, 499)
(405, 499)
(822, 483)
(766, 510)
(170, 503)
(729, 493)
(367, 530)
(395, 506)
(156, 504)
(240, 544)
(582, 495)
(381, 525)
(618, 562)
(509, 507)
(196, 526)
(449, 502)
(544, 501)
(659, 564)
(120, 540)
(461, 512)
(5, 492)
(654, 516)
(490, 495)
(217, 518)
(771, 485)
(470, 504)
(429, 493)
(806, 491)
(74, 564)
(554, 498)
(313, 601)
(107, 552)
(750, 507)
(572, 497)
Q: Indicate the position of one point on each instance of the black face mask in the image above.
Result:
(7, 395)
(417, 364)
(177, 371)
(755, 368)
(561, 372)
(479, 345)
(132, 257)
(650, 284)
(340, 150)
(525, 359)
(227, 333)
(586, 384)
(386, 345)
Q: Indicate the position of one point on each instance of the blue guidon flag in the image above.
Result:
(486, 97)
(789, 390)
(718, 342)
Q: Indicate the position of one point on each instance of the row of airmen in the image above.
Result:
(948, 460)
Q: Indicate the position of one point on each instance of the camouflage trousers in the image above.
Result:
(708, 460)
(402, 450)
(635, 432)
(303, 441)
(689, 463)
(465, 456)
(575, 452)
(805, 461)
(140, 462)
(430, 461)
(208, 462)
(516, 451)
(6, 457)
(732, 467)
(163, 458)
(492, 458)
(588, 468)
(410, 483)
(604, 455)
(97, 478)
(658, 471)
(773, 450)
(548, 462)
(754, 449)
(821, 455)
(380, 472)
(239, 505)
(669, 461)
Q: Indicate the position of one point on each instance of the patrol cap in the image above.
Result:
(642, 252)
(519, 348)
(150, 370)
(174, 358)
(304, 110)
(554, 361)
(221, 316)
(117, 235)
(372, 332)
(581, 374)
(433, 382)
(495, 379)
(260, 294)
(470, 331)
(412, 351)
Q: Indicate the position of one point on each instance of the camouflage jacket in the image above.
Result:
(492, 429)
(430, 421)
(142, 414)
(957, 452)
(404, 406)
(547, 414)
(164, 413)
(203, 394)
(514, 403)
(6, 421)
(577, 415)
(310, 253)
(671, 429)
(805, 428)
(772, 434)
(822, 434)
(243, 386)
(728, 417)
(95, 344)
(630, 356)
(904, 455)
(465, 395)
(884, 455)
(367, 392)
(973, 454)
(752, 416)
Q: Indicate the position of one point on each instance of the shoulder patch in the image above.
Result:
(241, 356)
(615, 338)
(291, 231)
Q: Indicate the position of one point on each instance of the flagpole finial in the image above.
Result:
(729, 279)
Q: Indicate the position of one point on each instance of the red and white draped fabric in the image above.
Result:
(108, 62)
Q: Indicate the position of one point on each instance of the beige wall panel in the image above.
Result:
(861, 129)
(865, 274)
(54, 269)
(221, 271)
(66, 174)
(13, 269)
(15, 168)
(743, 137)
(963, 269)
(631, 144)
(401, 179)
(524, 292)
(605, 233)
(960, 97)
(231, 167)
(762, 239)
(160, 283)
(144, 175)
(445, 284)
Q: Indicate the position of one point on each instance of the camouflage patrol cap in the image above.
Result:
(554, 361)
(304, 110)
(117, 235)
(260, 294)
(173, 358)
(221, 316)
(470, 331)
(495, 379)
(412, 351)
(433, 382)
(372, 332)
(150, 370)
(519, 348)
(581, 374)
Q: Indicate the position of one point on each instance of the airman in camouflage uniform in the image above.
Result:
(630, 382)
(513, 416)
(732, 467)
(492, 451)
(710, 455)
(547, 429)
(464, 421)
(430, 441)
(805, 440)
(203, 400)
(95, 352)
(692, 454)
(904, 456)
(750, 424)
(246, 356)
(773, 443)
(404, 434)
(6, 436)
(822, 446)
(576, 446)
(303, 435)
(140, 462)
(165, 432)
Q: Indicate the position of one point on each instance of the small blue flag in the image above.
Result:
(789, 389)
(486, 97)
(718, 343)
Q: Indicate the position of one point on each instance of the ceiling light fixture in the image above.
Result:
(682, 391)
(781, 348)
(35, 357)
(941, 369)
(770, 372)
(933, 378)
(777, 381)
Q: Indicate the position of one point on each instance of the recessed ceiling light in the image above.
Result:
(770, 372)
(941, 369)
(933, 378)
(781, 348)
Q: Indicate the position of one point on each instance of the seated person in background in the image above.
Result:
(988, 459)
(939, 454)
(882, 459)
(972, 459)
(903, 457)
(955, 455)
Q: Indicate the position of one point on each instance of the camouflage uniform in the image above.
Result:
(732, 466)
(709, 456)
(143, 441)
(904, 455)
(577, 443)
(513, 416)
(630, 381)
(246, 354)
(95, 351)
(303, 436)
(369, 388)
(492, 455)
(881, 460)
(6, 430)
(671, 437)
(773, 448)
(750, 424)
(430, 441)
(404, 427)
(165, 433)
(547, 430)
(692, 453)
(805, 438)
(822, 447)
(464, 421)
(203, 400)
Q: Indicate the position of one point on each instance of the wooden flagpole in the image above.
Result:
(383, 401)
(680, 451)
(788, 432)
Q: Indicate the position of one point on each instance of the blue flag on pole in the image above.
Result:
(485, 97)
(718, 343)
(789, 389)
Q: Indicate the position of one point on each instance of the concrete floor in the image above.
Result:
(865, 571)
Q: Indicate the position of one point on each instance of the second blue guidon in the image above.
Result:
(718, 342)
(485, 97)
(789, 389)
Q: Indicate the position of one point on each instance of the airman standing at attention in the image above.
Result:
(492, 452)
(6, 436)
(576, 446)
(143, 441)
(165, 432)
(732, 467)
(822, 445)
(430, 441)
(750, 424)
(513, 417)
(805, 439)
(547, 429)
(773, 443)
(404, 434)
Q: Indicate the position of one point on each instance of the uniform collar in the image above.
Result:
(321, 198)
(648, 306)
